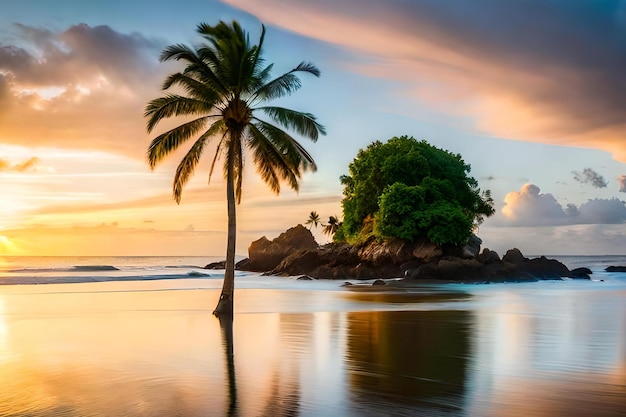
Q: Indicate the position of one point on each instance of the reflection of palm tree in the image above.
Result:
(314, 220)
(224, 81)
(331, 228)
(226, 324)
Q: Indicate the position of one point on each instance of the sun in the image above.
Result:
(6, 245)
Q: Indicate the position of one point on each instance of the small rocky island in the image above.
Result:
(296, 253)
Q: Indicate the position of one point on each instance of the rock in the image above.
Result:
(543, 268)
(295, 253)
(393, 251)
(514, 256)
(241, 265)
(488, 257)
(216, 265)
(379, 282)
(472, 247)
(426, 251)
(459, 269)
(305, 278)
(303, 262)
(265, 255)
(580, 273)
(615, 269)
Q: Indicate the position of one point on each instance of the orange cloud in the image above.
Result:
(26, 166)
(68, 87)
(537, 71)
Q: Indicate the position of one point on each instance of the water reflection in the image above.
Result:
(502, 352)
(226, 325)
(410, 359)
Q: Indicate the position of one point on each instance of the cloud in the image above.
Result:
(66, 87)
(77, 55)
(586, 239)
(590, 176)
(541, 71)
(529, 207)
(622, 183)
(29, 165)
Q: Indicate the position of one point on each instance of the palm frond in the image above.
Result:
(239, 172)
(278, 87)
(173, 105)
(196, 63)
(169, 141)
(187, 166)
(263, 75)
(287, 145)
(177, 52)
(190, 161)
(303, 123)
(286, 83)
(307, 67)
(196, 89)
(271, 163)
(234, 159)
(218, 151)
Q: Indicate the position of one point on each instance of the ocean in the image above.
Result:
(135, 336)
(78, 269)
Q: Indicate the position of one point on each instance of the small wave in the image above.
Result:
(73, 279)
(77, 268)
(182, 266)
(87, 268)
(197, 274)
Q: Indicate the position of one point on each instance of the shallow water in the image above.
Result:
(152, 348)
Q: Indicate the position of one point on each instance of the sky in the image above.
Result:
(531, 93)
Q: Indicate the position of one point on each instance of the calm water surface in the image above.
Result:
(152, 348)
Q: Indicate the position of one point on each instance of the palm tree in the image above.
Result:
(314, 220)
(331, 228)
(225, 87)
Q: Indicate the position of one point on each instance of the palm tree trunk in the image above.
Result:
(225, 304)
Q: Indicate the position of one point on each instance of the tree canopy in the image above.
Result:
(409, 189)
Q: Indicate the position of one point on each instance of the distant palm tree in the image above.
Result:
(314, 220)
(223, 85)
(331, 228)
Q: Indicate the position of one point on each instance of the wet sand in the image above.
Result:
(153, 349)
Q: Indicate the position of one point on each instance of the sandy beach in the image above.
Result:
(152, 348)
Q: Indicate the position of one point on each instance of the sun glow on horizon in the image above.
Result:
(7, 247)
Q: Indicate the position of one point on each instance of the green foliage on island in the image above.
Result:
(409, 189)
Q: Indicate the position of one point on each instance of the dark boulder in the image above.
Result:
(580, 273)
(488, 257)
(459, 269)
(265, 255)
(514, 256)
(216, 265)
(543, 268)
(472, 247)
(615, 269)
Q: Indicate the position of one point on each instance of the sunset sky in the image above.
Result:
(532, 94)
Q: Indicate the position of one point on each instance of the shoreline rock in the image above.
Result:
(295, 253)
(615, 269)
